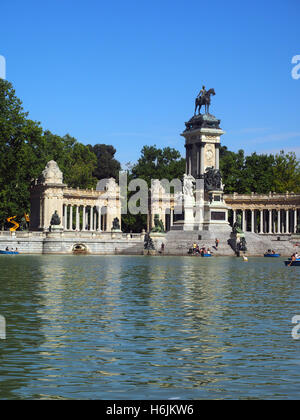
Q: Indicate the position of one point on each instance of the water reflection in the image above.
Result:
(134, 327)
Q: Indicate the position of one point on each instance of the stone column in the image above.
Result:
(91, 218)
(270, 221)
(202, 158)
(244, 221)
(278, 221)
(252, 221)
(71, 218)
(186, 159)
(65, 217)
(217, 157)
(234, 216)
(198, 159)
(261, 222)
(287, 221)
(77, 219)
(98, 228)
(171, 218)
(83, 218)
(295, 221)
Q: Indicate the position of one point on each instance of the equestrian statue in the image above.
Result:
(203, 99)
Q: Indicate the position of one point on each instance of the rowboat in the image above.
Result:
(9, 253)
(290, 263)
(272, 255)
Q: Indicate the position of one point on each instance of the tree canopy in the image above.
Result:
(107, 166)
(25, 150)
(156, 163)
(259, 173)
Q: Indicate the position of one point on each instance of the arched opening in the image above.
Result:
(79, 249)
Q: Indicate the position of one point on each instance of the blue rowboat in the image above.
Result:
(272, 255)
(292, 263)
(206, 255)
(9, 253)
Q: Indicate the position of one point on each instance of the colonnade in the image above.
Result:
(85, 218)
(270, 221)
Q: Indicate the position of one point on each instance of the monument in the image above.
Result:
(55, 223)
(204, 206)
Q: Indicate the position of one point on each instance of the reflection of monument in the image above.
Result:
(204, 206)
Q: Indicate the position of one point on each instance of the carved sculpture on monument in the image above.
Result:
(51, 174)
(237, 227)
(188, 186)
(55, 224)
(148, 243)
(212, 179)
(112, 186)
(116, 224)
(158, 225)
(55, 220)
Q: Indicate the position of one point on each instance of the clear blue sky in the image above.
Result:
(127, 72)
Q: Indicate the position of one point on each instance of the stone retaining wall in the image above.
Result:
(56, 243)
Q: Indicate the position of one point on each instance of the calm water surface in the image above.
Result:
(115, 327)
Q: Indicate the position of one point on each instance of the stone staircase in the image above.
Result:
(179, 242)
(259, 244)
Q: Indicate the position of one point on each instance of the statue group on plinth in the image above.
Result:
(204, 206)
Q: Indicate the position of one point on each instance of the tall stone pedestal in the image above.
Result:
(206, 209)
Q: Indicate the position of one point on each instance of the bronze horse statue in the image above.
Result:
(204, 100)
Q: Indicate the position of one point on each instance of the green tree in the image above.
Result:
(286, 173)
(154, 163)
(258, 173)
(232, 167)
(160, 164)
(24, 151)
(18, 164)
(107, 166)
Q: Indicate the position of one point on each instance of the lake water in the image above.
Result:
(117, 327)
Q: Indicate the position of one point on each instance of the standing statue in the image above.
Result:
(204, 99)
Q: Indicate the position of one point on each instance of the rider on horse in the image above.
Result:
(204, 99)
(202, 93)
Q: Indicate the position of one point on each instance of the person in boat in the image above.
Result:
(273, 252)
(208, 252)
(293, 258)
(7, 249)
